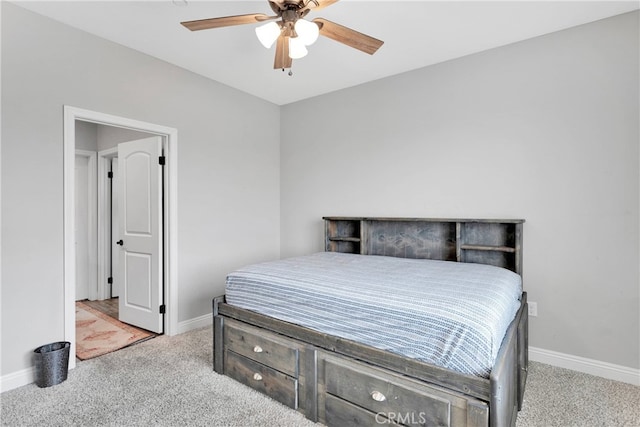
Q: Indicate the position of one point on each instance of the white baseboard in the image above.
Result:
(17, 379)
(587, 366)
(198, 322)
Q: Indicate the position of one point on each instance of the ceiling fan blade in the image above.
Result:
(226, 21)
(348, 36)
(277, 5)
(321, 4)
(282, 60)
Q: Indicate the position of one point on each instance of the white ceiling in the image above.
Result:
(416, 34)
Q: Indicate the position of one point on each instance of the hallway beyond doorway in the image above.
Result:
(98, 332)
(107, 306)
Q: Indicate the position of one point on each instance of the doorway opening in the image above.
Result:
(105, 322)
(78, 123)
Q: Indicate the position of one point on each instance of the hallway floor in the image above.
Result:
(107, 306)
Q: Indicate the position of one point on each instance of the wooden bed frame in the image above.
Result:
(339, 382)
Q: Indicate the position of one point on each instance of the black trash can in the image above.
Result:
(52, 363)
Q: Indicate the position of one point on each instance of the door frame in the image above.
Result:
(92, 215)
(105, 243)
(71, 115)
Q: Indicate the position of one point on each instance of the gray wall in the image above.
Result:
(86, 136)
(111, 136)
(228, 171)
(545, 130)
(96, 137)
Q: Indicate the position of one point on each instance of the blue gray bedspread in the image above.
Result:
(450, 314)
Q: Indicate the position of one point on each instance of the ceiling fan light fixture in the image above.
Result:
(297, 49)
(268, 33)
(307, 31)
(291, 33)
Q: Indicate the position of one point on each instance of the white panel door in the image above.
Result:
(139, 271)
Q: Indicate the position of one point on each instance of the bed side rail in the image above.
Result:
(218, 343)
(507, 382)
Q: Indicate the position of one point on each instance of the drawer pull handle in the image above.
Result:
(257, 349)
(257, 377)
(378, 397)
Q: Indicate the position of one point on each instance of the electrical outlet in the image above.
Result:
(533, 308)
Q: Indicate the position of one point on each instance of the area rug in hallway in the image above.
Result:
(98, 334)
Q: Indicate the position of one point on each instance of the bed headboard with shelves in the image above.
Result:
(495, 242)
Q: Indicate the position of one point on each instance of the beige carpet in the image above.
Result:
(98, 334)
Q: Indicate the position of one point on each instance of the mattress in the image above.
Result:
(449, 314)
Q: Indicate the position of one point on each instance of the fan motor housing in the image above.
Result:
(297, 3)
(290, 16)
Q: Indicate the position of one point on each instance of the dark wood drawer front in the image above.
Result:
(381, 396)
(261, 346)
(274, 384)
(340, 413)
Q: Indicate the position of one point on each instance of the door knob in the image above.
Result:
(120, 242)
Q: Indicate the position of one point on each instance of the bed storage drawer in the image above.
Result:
(261, 346)
(264, 379)
(390, 397)
(339, 412)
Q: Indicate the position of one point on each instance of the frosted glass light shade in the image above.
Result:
(307, 31)
(297, 48)
(268, 34)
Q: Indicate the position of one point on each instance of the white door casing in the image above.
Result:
(85, 225)
(106, 244)
(139, 273)
(115, 261)
(82, 228)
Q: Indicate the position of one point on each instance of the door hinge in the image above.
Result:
(162, 160)
(110, 174)
(163, 309)
(110, 280)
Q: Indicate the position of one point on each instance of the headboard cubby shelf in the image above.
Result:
(487, 241)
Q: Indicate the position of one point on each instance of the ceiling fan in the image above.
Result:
(292, 33)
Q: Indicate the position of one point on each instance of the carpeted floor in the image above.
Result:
(565, 398)
(169, 381)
